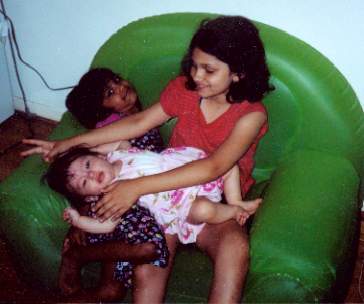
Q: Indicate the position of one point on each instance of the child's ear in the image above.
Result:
(238, 76)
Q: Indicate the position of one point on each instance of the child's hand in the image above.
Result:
(42, 147)
(118, 198)
(71, 216)
(48, 149)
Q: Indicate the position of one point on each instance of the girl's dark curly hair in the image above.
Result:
(57, 176)
(85, 101)
(234, 40)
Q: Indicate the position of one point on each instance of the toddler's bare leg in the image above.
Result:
(233, 192)
(69, 277)
(205, 211)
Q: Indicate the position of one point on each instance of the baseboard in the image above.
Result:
(39, 109)
(37, 117)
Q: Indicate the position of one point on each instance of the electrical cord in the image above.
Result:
(15, 53)
(26, 108)
(13, 37)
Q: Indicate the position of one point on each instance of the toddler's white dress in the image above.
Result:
(170, 208)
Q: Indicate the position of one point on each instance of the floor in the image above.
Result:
(13, 289)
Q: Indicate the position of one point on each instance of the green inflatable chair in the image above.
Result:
(308, 169)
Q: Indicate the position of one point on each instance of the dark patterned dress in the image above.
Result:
(152, 141)
(136, 226)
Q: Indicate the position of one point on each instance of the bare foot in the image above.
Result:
(249, 206)
(69, 279)
(241, 216)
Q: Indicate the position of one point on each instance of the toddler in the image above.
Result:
(82, 174)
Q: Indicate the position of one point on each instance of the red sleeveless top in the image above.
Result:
(192, 130)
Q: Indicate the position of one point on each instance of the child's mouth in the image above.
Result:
(200, 87)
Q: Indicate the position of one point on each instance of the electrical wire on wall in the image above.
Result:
(15, 54)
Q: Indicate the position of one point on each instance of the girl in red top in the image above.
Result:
(217, 103)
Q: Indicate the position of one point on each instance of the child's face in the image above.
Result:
(120, 96)
(211, 75)
(90, 174)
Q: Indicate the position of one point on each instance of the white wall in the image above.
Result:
(59, 38)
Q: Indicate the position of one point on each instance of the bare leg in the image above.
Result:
(205, 211)
(227, 245)
(150, 281)
(69, 276)
(109, 290)
(233, 192)
(77, 256)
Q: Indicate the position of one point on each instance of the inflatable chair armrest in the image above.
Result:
(303, 231)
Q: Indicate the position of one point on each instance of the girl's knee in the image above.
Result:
(150, 250)
(228, 237)
(111, 292)
(237, 244)
(144, 272)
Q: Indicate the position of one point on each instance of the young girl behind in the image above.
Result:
(102, 97)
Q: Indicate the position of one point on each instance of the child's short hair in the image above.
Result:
(234, 40)
(57, 176)
(85, 101)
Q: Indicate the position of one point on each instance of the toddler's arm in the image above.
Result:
(87, 223)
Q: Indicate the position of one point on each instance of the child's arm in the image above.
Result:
(111, 147)
(122, 194)
(129, 127)
(232, 189)
(74, 234)
(87, 223)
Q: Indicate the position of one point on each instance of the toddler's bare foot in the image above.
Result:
(69, 280)
(249, 206)
(241, 216)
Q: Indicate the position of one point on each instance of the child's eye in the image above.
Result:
(87, 164)
(84, 183)
(109, 92)
(210, 71)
